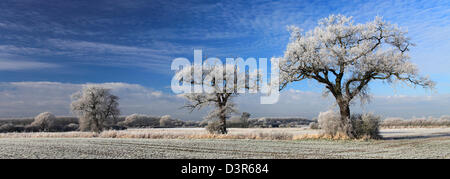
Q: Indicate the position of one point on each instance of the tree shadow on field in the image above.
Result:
(436, 135)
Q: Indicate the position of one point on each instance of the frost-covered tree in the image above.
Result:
(345, 57)
(94, 106)
(219, 91)
(44, 121)
(166, 121)
(140, 120)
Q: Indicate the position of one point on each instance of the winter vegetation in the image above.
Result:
(94, 106)
(363, 126)
(345, 57)
(44, 121)
(59, 124)
(235, 133)
(443, 121)
(401, 143)
(64, 124)
(140, 121)
(225, 80)
(314, 125)
(339, 54)
(167, 121)
(222, 85)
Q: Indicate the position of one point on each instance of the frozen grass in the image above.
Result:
(186, 143)
(49, 135)
(101, 148)
(443, 121)
(199, 133)
(175, 133)
(234, 133)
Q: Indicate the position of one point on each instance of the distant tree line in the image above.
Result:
(47, 122)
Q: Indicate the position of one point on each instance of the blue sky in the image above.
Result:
(134, 42)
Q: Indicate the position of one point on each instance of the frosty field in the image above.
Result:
(398, 143)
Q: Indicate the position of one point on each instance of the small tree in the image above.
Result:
(44, 121)
(345, 57)
(95, 105)
(166, 121)
(221, 90)
(244, 119)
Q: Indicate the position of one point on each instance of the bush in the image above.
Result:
(11, 128)
(363, 126)
(44, 121)
(366, 126)
(239, 122)
(7, 128)
(71, 127)
(234, 122)
(244, 119)
(314, 125)
(116, 127)
(30, 128)
(17, 121)
(191, 124)
(138, 120)
(330, 122)
(277, 122)
(166, 121)
(213, 127)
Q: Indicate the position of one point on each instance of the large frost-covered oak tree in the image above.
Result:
(94, 106)
(345, 57)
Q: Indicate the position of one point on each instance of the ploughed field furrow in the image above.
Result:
(227, 148)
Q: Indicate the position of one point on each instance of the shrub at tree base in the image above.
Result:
(330, 122)
(364, 126)
(214, 127)
(314, 125)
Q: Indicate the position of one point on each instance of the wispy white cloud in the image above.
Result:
(230, 28)
(11, 50)
(25, 99)
(86, 52)
(97, 47)
(10, 65)
(113, 34)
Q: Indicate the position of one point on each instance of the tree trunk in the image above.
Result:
(223, 124)
(344, 109)
(97, 127)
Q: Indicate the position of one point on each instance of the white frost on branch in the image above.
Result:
(346, 56)
(221, 83)
(95, 105)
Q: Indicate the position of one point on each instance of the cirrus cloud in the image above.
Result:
(14, 65)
